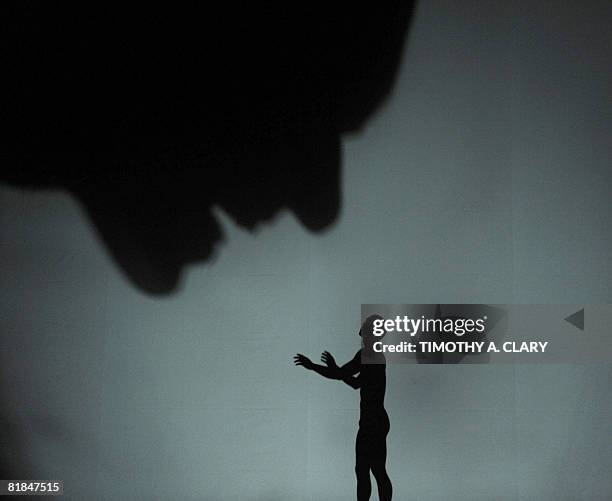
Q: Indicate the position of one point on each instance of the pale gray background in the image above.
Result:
(483, 178)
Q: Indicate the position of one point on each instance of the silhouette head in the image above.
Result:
(368, 329)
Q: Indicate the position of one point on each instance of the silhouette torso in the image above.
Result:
(373, 416)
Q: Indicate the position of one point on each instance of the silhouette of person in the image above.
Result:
(366, 372)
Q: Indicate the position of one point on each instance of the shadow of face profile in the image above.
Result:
(151, 117)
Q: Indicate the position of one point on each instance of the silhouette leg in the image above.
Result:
(385, 489)
(379, 458)
(364, 484)
(362, 468)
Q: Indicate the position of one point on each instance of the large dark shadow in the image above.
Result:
(150, 116)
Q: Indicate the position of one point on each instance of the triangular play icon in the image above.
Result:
(577, 319)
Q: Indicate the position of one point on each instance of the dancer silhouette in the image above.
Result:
(370, 379)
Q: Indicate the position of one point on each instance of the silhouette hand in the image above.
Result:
(300, 359)
(328, 359)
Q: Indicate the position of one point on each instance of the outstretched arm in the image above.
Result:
(328, 372)
(349, 369)
(331, 370)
